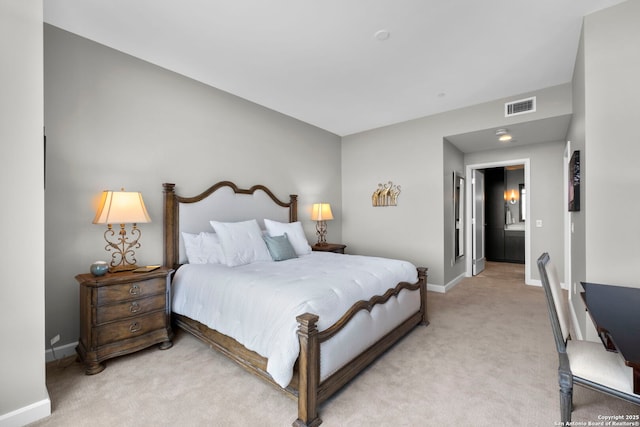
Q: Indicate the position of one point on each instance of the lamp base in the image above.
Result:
(123, 256)
(321, 232)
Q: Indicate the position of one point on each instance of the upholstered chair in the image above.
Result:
(585, 363)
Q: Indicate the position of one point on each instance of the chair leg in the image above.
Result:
(566, 397)
(566, 406)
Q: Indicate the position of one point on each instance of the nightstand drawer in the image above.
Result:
(126, 291)
(130, 328)
(129, 308)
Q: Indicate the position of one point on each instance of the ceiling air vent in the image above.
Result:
(520, 106)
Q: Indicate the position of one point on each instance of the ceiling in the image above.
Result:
(531, 132)
(322, 62)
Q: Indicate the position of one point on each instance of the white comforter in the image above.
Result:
(257, 304)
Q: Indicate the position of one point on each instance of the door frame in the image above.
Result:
(527, 225)
(476, 267)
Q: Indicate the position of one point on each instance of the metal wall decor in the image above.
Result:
(386, 195)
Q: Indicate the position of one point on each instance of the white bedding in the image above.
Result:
(257, 304)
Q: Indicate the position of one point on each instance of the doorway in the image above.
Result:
(510, 221)
(504, 191)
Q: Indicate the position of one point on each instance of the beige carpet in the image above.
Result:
(487, 359)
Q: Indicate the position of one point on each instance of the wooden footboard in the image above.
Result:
(306, 386)
(312, 392)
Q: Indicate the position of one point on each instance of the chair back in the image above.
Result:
(558, 310)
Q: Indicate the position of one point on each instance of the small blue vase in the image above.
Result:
(99, 268)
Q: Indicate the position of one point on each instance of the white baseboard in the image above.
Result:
(538, 282)
(534, 282)
(436, 288)
(442, 289)
(26, 415)
(41, 409)
(61, 352)
(454, 282)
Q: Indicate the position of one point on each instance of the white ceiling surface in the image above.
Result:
(319, 61)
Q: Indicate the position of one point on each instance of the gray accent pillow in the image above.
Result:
(279, 247)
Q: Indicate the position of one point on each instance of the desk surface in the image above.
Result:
(615, 310)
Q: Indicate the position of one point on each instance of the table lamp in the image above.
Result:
(122, 207)
(321, 212)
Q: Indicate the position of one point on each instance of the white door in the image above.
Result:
(477, 221)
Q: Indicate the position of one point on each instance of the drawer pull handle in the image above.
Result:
(135, 289)
(135, 307)
(135, 327)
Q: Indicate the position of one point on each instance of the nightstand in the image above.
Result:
(121, 313)
(329, 247)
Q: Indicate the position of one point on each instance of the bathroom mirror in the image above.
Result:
(458, 215)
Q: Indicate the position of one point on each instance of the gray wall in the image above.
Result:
(453, 161)
(611, 146)
(115, 121)
(22, 358)
(411, 154)
(606, 89)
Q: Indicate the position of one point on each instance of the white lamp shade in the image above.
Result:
(121, 207)
(321, 212)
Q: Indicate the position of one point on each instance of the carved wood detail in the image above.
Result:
(171, 232)
(366, 305)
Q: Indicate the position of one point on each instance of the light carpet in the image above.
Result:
(486, 359)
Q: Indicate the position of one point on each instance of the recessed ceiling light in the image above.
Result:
(382, 35)
(503, 135)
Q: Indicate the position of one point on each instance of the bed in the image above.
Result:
(308, 346)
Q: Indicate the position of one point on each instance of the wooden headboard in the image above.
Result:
(223, 201)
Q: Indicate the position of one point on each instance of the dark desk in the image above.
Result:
(615, 310)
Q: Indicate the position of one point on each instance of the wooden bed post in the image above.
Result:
(170, 220)
(293, 208)
(422, 278)
(309, 370)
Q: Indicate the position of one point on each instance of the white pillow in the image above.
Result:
(294, 231)
(242, 242)
(203, 248)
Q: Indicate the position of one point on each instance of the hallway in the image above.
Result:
(506, 271)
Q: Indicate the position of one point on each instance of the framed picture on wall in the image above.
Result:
(574, 182)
